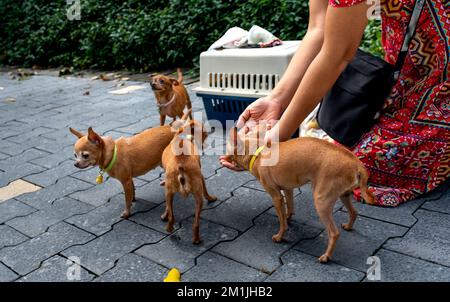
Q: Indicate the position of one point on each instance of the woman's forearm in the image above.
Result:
(344, 28)
(324, 70)
(305, 54)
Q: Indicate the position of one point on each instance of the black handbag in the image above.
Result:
(352, 105)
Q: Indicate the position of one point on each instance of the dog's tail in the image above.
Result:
(180, 75)
(363, 177)
(184, 182)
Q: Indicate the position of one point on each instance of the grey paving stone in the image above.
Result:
(101, 219)
(65, 186)
(10, 237)
(3, 156)
(38, 222)
(210, 164)
(137, 127)
(152, 192)
(7, 275)
(50, 176)
(402, 215)
(256, 248)
(89, 175)
(226, 181)
(396, 267)
(99, 194)
(305, 211)
(13, 161)
(183, 208)
(58, 269)
(428, 239)
(9, 148)
(134, 268)
(7, 133)
(255, 185)
(212, 267)
(19, 172)
(30, 135)
(100, 254)
(36, 142)
(441, 204)
(299, 267)
(106, 126)
(178, 251)
(152, 175)
(54, 159)
(354, 247)
(239, 211)
(12, 208)
(27, 256)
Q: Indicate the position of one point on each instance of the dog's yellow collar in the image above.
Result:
(111, 164)
(254, 157)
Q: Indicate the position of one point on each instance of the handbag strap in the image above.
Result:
(418, 7)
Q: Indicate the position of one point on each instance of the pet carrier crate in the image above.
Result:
(231, 79)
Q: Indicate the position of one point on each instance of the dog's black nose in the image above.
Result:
(76, 165)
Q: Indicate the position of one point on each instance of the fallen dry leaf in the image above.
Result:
(107, 77)
(10, 100)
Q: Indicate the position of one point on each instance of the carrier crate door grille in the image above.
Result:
(242, 81)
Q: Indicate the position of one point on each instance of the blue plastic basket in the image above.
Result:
(223, 108)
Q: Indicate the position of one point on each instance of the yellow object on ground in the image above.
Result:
(173, 276)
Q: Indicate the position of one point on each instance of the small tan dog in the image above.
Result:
(123, 158)
(171, 96)
(333, 171)
(181, 162)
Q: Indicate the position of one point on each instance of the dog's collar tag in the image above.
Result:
(99, 179)
(254, 157)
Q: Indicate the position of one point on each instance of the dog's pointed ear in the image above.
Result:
(174, 82)
(76, 133)
(186, 115)
(94, 137)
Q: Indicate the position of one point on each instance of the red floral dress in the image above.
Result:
(407, 152)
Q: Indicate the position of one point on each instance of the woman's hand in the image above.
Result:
(265, 109)
(227, 164)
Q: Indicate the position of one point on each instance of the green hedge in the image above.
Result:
(136, 34)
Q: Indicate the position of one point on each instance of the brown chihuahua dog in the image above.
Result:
(181, 161)
(333, 171)
(171, 96)
(123, 158)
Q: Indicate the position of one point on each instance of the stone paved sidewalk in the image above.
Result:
(71, 216)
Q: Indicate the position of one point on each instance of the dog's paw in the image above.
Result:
(324, 258)
(277, 238)
(164, 216)
(289, 217)
(169, 228)
(212, 198)
(347, 226)
(125, 214)
(196, 241)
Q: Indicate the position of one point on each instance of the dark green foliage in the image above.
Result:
(136, 34)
